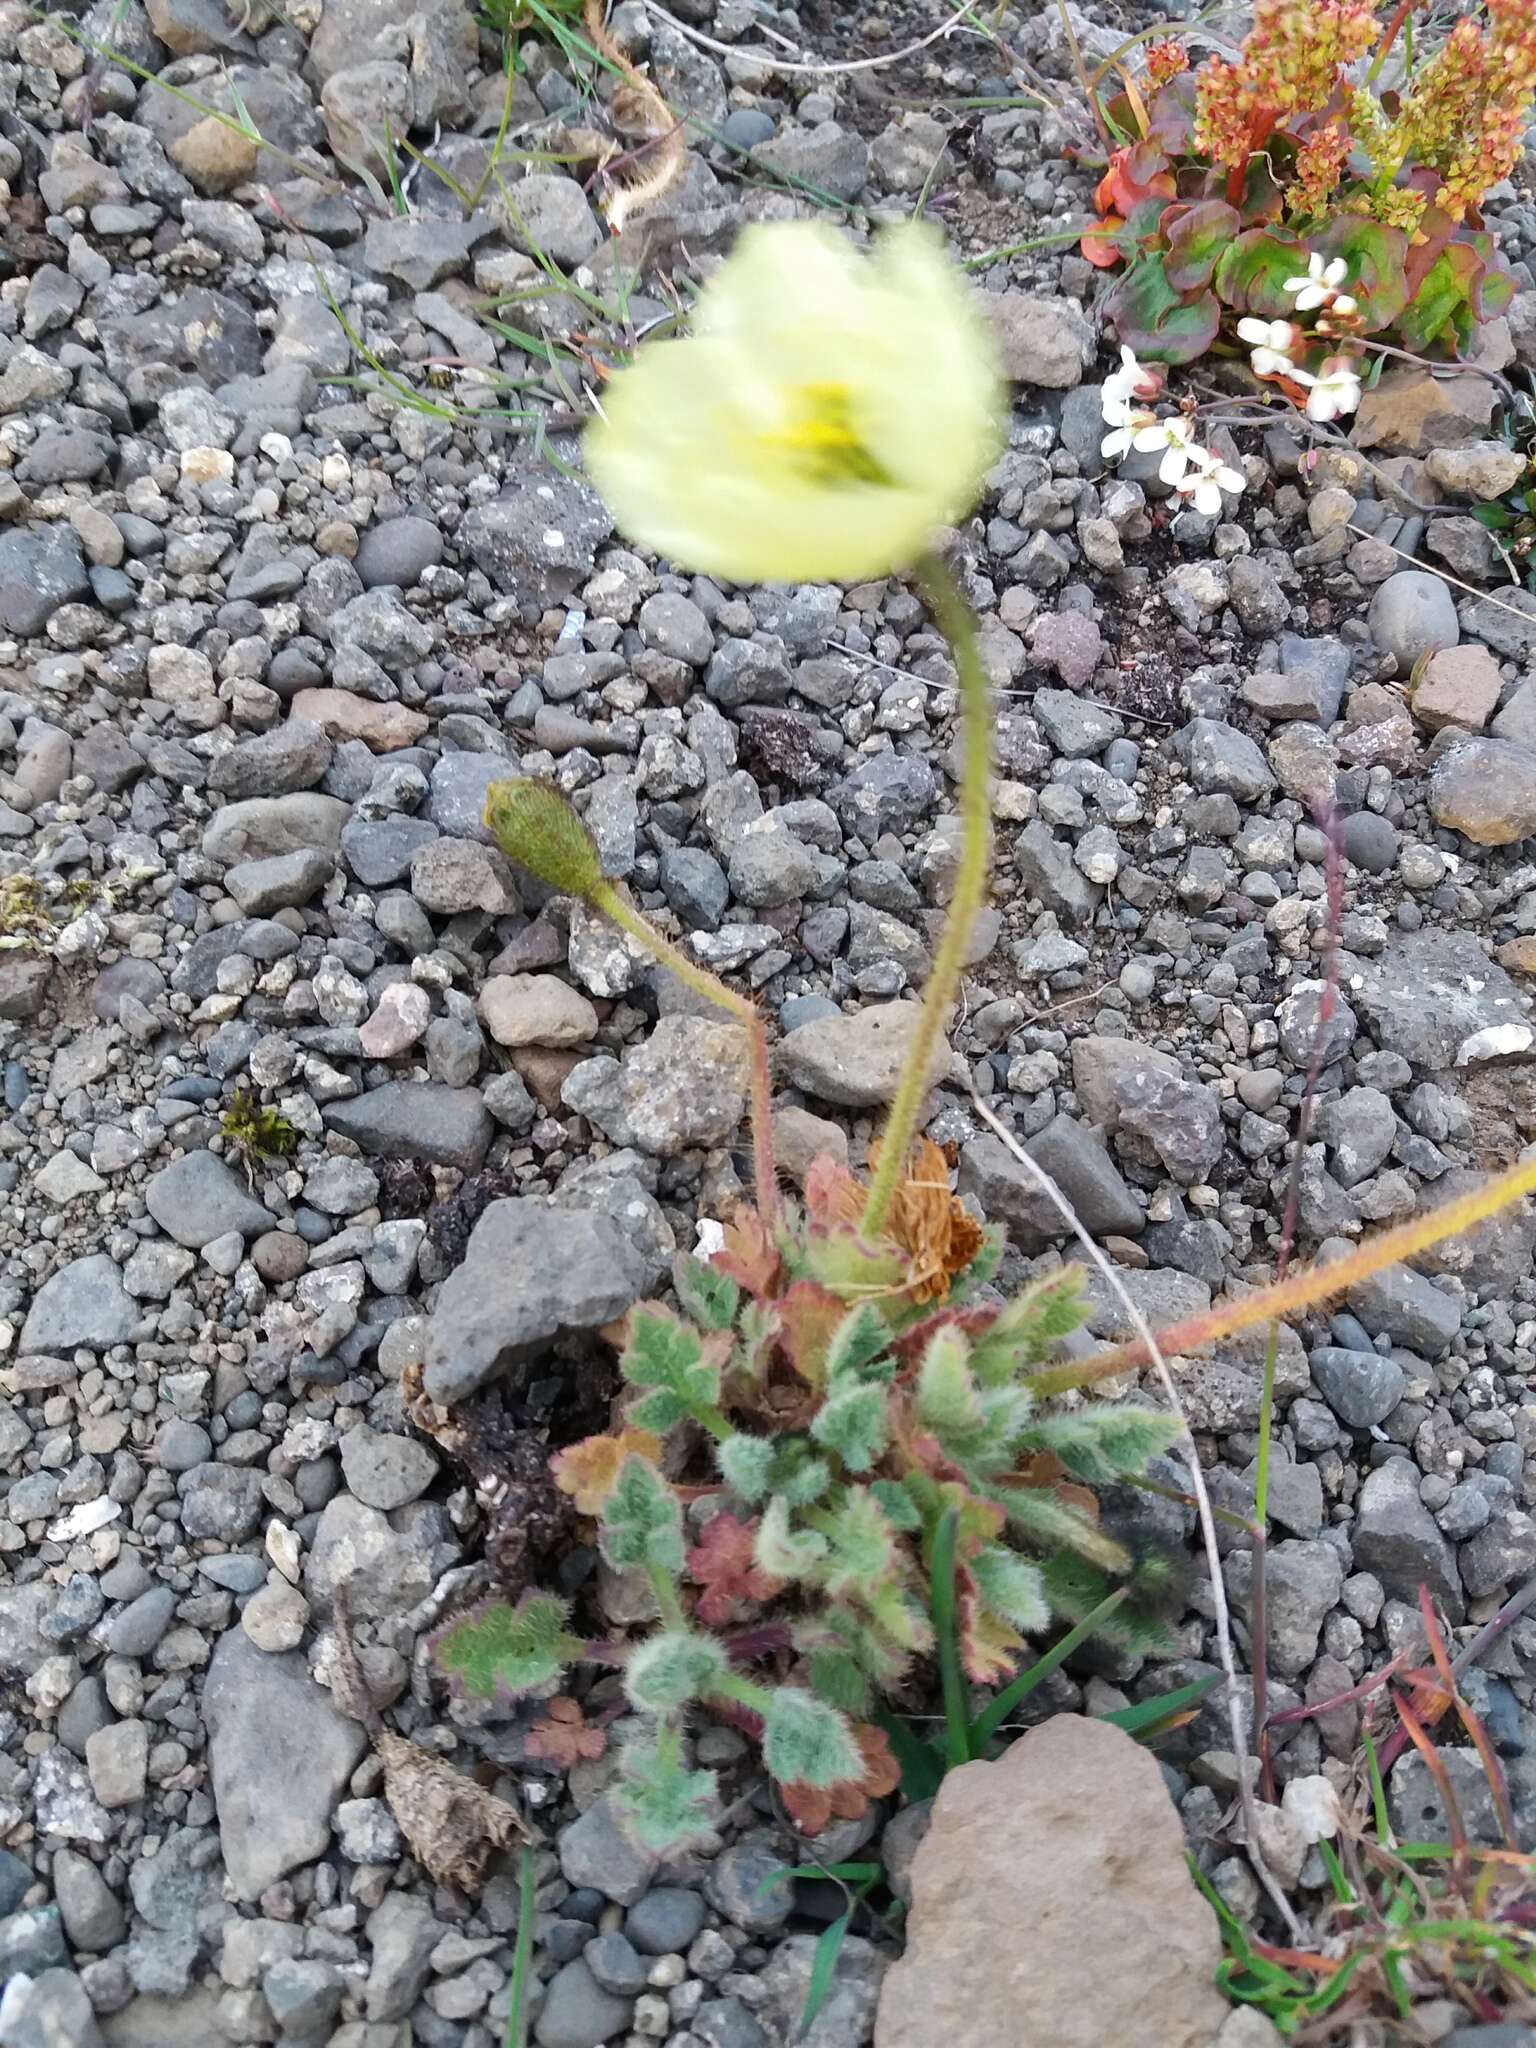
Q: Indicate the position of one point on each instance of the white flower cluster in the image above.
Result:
(1197, 474)
(1334, 388)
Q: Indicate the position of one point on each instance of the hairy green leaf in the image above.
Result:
(1104, 1443)
(710, 1297)
(799, 1475)
(786, 1553)
(837, 1677)
(972, 1278)
(1010, 1586)
(497, 1650)
(899, 1506)
(1052, 1525)
(806, 1742)
(853, 1425)
(1026, 1330)
(859, 1339)
(672, 1668)
(642, 1526)
(948, 1402)
(667, 1356)
(861, 1544)
(746, 1465)
(664, 1804)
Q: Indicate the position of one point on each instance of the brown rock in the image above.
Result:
(1519, 955)
(1485, 789)
(214, 157)
(1409, 411)
(1072, 1830)
(799, 1138)
(384, 727)
(544, 1070)
(1459, 686)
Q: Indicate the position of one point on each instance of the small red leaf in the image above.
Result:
(724, 1563)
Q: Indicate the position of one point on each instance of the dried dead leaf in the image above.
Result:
(453, 1825)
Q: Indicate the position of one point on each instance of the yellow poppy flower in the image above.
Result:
(826, 413)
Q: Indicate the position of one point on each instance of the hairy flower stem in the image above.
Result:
(957, 622)
(614, 904)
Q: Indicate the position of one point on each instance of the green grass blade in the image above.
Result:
(1149, 1716)
(823, 1969)
(922, 1767)
(956, 1721)
(1343, 1890)
(522, 1953)
(997, 1710)
(1378, 1793)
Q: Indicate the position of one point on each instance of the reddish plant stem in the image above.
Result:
(1352, 1698)
(1400, 14)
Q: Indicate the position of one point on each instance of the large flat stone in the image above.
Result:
(417, 1120)
(280, 1755)
(1071, 1830)
(529, 1272)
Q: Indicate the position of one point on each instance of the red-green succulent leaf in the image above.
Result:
(1251, 273)
(1159, 323)
(1441, 315)
(1377, 257)
(1196, 239)
(1171, 114)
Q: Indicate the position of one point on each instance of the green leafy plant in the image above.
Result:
(1277, 184)
(256, 1130)
(850, 1422)
(1410, 1921)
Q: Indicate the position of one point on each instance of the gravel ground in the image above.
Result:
(265, 637)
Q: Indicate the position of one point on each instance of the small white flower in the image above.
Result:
(1320, 284)
(1121, 442)
(1343, 303)
(1334, 390)
(1269, 362)
(1280, 335)
(1132, 380)
(1208, 478)
(1173, 436)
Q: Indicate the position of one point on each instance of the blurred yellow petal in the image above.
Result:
(828, 411)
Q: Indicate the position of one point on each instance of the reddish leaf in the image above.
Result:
(809, 1316)
(749, 1255)
(832, 1194)
(588, 1471)
(565, 1737)
(723, 1562)
(813, 1808)
(1100, 243)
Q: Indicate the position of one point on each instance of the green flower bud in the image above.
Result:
(536, 827)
